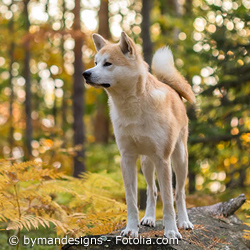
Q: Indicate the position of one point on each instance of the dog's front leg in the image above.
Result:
(129, 173)
(164, 176)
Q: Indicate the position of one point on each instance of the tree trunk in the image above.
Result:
(178, 15)
(26, 74)
(192, 158)
(170, 7)
(55, 109)
(64, 99)
(242, 178)
(163, 7)
(101, 120)
(103, 15)
(215, 227)
(191, 180)
(11, 56)
(78, 92)
(147, 47)
(145, 33)
(189, 7)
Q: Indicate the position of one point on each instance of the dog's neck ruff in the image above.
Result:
(126, 91)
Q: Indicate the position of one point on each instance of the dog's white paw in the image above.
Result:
(129, 232)
(148, 221)
(173, 234)
(185, 225)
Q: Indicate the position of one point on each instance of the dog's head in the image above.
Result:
(115, 64)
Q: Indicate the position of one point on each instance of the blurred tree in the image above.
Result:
(78, 93)
(11, 58)
(62, 50)
(145, 31)
(147, 47)
(167, 8)
(101, 120)
(177, 14)
(189, 6)
(103, 16)
(26, 75)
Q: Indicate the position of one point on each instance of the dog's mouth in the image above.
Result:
(104, 85)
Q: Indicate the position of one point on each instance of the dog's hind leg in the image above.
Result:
(180, 167)
(164, 176)
(148, 170)
(129, 174)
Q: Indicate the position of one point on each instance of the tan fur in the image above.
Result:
(113, 50)
(179, 83)
(164, 69)
(149, 119)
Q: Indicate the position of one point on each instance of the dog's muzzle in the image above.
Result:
(86, 74)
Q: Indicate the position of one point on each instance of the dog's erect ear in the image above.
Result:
(99, 41)
(127, 45)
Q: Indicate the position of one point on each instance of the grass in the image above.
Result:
(32, 234)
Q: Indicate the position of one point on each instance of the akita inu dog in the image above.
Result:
(149, 119)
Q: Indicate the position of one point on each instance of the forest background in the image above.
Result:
(53, 126)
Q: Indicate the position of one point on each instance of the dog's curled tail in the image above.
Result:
(164, 69)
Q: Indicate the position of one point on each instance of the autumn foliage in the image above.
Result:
(31, 196)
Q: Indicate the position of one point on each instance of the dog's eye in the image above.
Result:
(106, 64)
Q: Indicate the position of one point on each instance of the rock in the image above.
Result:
(215, 227)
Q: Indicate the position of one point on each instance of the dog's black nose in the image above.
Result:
(86, 74)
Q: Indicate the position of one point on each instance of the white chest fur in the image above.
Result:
(137, 127)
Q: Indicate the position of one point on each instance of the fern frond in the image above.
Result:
(246, 233)
(246, 206)
(3, 199)
(24, 165)
(37, 174)
(57, 186)
(5, 180)
(2, 218)
(28, 222)
(41, 191)
(8, 213)
(77, 216)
